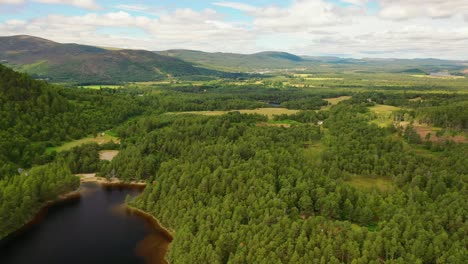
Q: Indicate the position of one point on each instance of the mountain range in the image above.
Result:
(81, 63)
(74, 63)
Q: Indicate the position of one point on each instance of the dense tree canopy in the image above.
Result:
(240, 188)
(238, 193)
(23, 195)
(35, 115)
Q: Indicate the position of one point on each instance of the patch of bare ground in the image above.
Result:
(417, 99)
(108, 154)
(424, 129)
(264, 124)
(91, 177)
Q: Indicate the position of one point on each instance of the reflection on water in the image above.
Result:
(88, 230)
(153, 248)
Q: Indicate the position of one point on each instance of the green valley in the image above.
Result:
(322, 164)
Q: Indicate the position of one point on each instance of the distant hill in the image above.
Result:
(233, 61)
(87, 64)
(413, 71)
(82, 64)
(271, 60)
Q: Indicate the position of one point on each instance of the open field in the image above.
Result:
(419, 98)
(366, 183)
(336, 100)
(269, 112)
(383, 114)
(153, 83)
(312, 77)
(279, 123)
(384, 109)
(264, 124)
(96, 87)
(100, 139)
(439, 77)
(323, 79)
(375, 81)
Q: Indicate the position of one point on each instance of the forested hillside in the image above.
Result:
(232, 61)
(35, 115)
(23, 195)
(87, 64)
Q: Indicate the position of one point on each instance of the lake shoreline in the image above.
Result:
(69, 196)
(144, 249)
(113, 182)
(168, 233)
(42, 211)
(152, 248)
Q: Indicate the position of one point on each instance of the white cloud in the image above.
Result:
(356, 2)
(87, 4)
(409, 9)
(310, 27)
(12, 2)
(299, 16)
(141, 9)
(237, 6)
(183, 28)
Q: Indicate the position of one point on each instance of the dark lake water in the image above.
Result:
(91, 229)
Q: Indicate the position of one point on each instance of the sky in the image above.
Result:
(344, 28)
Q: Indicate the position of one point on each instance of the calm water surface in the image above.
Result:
(91, 229)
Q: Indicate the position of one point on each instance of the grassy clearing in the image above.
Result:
(285, 121)
(384, 109)
(280, 123)
(336, 100)
(269, 112)
(366, 183)
(382, 121)
(311, 77)
(383, 114)
(153, 83)
(323, 79)
(268, 124)
(438, 77)
(97, 87)
(419, 98)
(313, 151)
(302, 75)
(100, 139)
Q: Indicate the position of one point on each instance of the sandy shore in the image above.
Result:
(91, 177)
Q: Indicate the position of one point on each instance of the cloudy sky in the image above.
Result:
(347, 28)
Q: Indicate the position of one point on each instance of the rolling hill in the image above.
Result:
(82, 64)
(238, 62)
(87, 64)
(270, 60)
